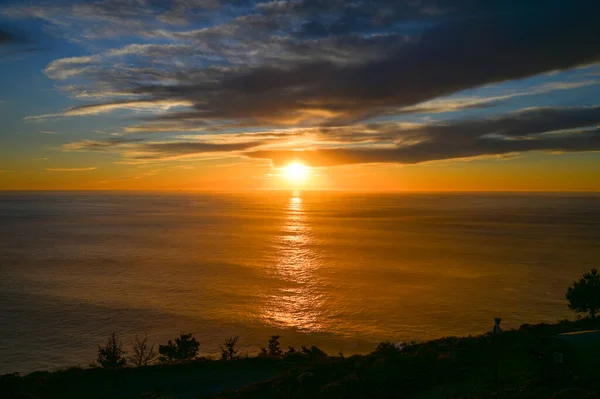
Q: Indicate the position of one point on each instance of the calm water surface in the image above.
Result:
(343, 271)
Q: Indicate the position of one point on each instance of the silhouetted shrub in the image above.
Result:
(143, 353)
(584, 295)
(525, 327)
(263, 354)
(228, 349)
(184, 348)
(313, 353)
(292, 355)
(386, 348)
(112, 354)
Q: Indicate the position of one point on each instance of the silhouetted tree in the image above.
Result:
(274, 347)
(184, 348)
(273, 350)
(584, 295)
(168, 353)
(143, 353)
(112, 354)
(228, 349)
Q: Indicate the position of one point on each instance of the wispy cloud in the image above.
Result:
(147, 106)
(160, 151)
(462, 103)
(70, 169)
(99, 145)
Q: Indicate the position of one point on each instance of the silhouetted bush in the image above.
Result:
(143, 353)
(584, 295)
(184, 348)
(112, 354)
(228, 349)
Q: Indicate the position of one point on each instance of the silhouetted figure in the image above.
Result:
(497, 329)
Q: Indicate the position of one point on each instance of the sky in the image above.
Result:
(377, 95)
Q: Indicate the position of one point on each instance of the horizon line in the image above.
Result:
(300, 190)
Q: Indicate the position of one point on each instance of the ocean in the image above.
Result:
(342, 271)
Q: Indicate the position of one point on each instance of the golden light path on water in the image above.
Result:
(298, 302)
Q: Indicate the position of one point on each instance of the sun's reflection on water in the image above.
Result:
(297, 301)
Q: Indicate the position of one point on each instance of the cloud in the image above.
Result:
(462, 103)
(274, 76)
(111, 19)
(68, 67)
(136, 149)
(171, 150)
(427, 152)
(538, 129)
(94, 109)
(95, 145)
(266, 67)
(563, 129)
(430, 67)
(70, 169)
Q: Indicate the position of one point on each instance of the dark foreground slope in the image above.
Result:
(506, 366)
(185, 381)
(509, 365)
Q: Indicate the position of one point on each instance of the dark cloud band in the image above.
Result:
(552, 129)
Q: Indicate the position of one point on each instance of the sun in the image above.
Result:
(296, 172)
